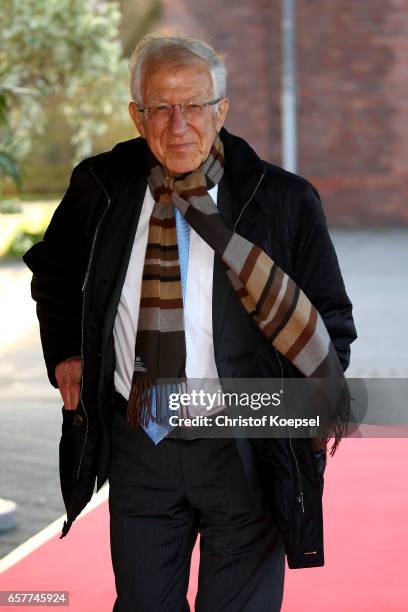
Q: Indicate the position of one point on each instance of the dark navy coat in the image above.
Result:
(78, 273)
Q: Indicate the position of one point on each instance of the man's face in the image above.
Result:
(180, 144)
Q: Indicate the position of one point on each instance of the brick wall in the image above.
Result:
(244, 31)
(353, 87)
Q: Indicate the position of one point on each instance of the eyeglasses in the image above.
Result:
(190, 110)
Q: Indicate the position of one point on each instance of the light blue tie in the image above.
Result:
(155, 431)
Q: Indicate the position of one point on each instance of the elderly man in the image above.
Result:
(166, 259)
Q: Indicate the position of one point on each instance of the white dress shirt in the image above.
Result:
(200, 361)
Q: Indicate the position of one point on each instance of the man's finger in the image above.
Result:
(74, 397)
(64, 395)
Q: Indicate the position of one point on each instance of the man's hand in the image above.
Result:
(68, 374)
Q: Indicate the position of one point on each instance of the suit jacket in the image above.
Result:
(78, 273)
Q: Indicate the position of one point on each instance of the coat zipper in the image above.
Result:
(83, 308)
(300, 496)
(249, 201)
(97, 227)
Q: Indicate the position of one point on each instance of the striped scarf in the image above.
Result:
(276, 303)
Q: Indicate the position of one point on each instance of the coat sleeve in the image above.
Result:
(57, 266)
(317, 272)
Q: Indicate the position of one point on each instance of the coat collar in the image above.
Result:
(129, 160)
(243, 169)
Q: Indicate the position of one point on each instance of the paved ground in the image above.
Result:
(29, 414)
(374, 265)
(375, 270)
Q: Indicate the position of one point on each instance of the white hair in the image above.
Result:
(155, 50)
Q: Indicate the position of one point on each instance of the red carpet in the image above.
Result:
(366, 543)
(366, 533)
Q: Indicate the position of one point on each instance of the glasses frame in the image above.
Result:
(181, 105)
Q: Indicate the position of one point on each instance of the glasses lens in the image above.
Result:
(193, 110)
(160, 111)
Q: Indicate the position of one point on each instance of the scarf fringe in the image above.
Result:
(139, 409)
(337, 430)
(140, 405)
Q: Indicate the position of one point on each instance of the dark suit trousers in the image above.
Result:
(160, 498)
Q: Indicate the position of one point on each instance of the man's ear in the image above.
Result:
(222, 112)
(136, 117)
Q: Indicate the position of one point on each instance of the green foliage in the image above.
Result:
(23, 241)
(65, 50)
(10, 207)
(9, 167)
(3, 109)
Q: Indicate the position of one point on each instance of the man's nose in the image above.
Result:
(178, 123)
